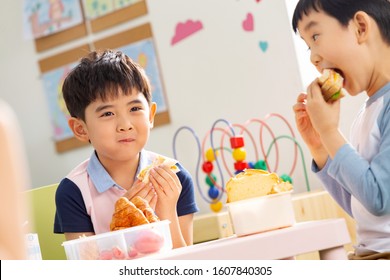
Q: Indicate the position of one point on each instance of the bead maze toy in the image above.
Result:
(209, 159)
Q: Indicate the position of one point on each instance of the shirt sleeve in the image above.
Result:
(367, 181)
(71, 214)
(186, 203)
(342, 197)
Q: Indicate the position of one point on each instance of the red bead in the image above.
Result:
(207, 167)
(237, 142)
(240, 165)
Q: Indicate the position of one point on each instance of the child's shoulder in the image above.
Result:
(79, 171)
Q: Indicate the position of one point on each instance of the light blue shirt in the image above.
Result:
(359, 175)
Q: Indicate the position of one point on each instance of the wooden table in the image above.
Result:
(328, 237)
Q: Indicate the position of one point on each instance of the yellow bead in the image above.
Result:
(210, 155)
(239, 154)
(216, 207)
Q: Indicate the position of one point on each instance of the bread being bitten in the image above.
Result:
(130, 213)
(331, 84)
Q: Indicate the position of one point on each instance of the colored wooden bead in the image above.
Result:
(213, 192)
(207, 167)
(216, 206)
(239, 154)
(210, 155)
(237, 142)
(261, 165)
(211, 181)
(240, 165)
(251, 165)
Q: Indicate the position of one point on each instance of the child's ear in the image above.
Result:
(153, 108)
(79, 129)
(363, 26)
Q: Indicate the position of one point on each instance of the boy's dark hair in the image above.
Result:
(100, 75)
(344, 10)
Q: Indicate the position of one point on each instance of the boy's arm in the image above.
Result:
(186, 226)
(71, 216)
(181, 230)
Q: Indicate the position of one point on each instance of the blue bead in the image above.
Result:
(213, 192)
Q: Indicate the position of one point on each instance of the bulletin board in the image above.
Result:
(53, 23)
(119, 16)
(54, 69)
(121, 12)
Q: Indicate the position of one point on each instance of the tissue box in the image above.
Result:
(130, 243)
(261, 213)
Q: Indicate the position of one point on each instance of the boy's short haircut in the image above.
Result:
(344, 10)
(100, 75)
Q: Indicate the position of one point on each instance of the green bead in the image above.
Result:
(261, 165)
(286, 178)
(209, 181)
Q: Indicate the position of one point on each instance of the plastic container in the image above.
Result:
(130, 243)
(262, 213)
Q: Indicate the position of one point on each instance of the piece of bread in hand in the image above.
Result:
(130, 213)
(331, 84)
(159, 160)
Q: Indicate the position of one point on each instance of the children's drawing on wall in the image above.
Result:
(45, 17)
(59, 115)
(184, 30)
(143, 52)
(98, 8)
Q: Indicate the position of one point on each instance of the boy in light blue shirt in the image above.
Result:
(353, 38)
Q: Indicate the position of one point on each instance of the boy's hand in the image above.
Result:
(304, 125)
(168, 188)
(146, 191)
(324, 115)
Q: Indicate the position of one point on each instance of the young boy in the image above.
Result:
(109, 99)
(352, 37)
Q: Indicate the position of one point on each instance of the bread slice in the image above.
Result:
(254, 183)
(159, 160)
(331, 84)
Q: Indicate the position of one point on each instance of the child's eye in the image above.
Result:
(107, 114)
(135, 109)
(315, 37)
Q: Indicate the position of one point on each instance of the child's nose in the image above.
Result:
(124, 124)
(315, 59)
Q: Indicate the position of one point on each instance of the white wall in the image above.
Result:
(220, 72)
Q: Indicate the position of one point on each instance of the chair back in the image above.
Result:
(43, 209)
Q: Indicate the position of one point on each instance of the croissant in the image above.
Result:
(143, 205)
(132, 213)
